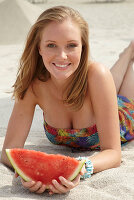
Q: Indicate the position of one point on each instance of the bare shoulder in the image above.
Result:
(32, 93)
(100, 82)
(39, 90)
(98, 71)
(99, 76)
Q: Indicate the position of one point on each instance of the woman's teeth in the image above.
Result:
(62, 66)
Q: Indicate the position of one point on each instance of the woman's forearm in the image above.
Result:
(106, 159)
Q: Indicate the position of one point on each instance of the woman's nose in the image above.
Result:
(62, 53)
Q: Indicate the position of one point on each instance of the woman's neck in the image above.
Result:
(57, 87)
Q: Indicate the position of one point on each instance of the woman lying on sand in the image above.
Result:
(85, 105)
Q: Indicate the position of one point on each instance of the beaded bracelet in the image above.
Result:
(89, 167)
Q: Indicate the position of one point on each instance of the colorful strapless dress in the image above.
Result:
(87, 138)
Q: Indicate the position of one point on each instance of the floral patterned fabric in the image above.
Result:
(87, 138)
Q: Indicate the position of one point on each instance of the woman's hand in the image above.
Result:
(59, 188)
(33, 186)
(65, 185)
(83, 170)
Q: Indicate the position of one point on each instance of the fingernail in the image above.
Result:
(33, 182)
(54, 181)
(60, 178)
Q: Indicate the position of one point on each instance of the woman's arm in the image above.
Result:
(17, 132)
(19, 124)
(104, 100)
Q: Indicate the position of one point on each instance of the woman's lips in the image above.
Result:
(61, 66)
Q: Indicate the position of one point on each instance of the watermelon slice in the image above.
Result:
(39, 166)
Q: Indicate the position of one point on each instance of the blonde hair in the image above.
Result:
(32, 66)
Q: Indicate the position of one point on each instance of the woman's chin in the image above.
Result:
(62, 77)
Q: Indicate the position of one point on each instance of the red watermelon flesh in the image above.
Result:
(39, 166)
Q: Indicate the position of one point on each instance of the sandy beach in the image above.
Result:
(111, 27)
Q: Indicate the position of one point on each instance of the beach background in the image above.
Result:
(111, 26)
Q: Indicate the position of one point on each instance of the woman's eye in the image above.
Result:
(51, 45)
(72, 45)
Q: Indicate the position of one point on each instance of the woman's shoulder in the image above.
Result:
(98, 72)
(99, 77)
(35, 89)
(97, 69)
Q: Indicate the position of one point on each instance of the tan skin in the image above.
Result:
(65, 49)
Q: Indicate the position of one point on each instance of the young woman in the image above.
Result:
(78, 97)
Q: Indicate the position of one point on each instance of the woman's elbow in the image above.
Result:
(118, 160)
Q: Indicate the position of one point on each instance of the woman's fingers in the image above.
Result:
(36, 187)
(58, 188)
(65, 185)
(28, 184)
(33, 186)
(83, 170)
(41, 189)
(76, 180)
(55, 187)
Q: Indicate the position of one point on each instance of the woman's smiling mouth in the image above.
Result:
(61, 66)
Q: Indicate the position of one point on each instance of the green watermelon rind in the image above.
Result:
(19, 171)
(78, 169)
(26, 178)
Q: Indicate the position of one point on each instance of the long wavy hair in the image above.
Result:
(32, 66)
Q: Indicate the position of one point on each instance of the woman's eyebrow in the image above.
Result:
(67, 41)
(73, 41)
(50, 41)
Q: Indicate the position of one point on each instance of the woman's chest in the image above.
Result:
(58, 115)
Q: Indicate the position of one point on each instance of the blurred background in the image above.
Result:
(111, 27)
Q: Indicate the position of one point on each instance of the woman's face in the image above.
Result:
(60, 48)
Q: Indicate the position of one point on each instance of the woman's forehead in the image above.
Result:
(66, 29)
